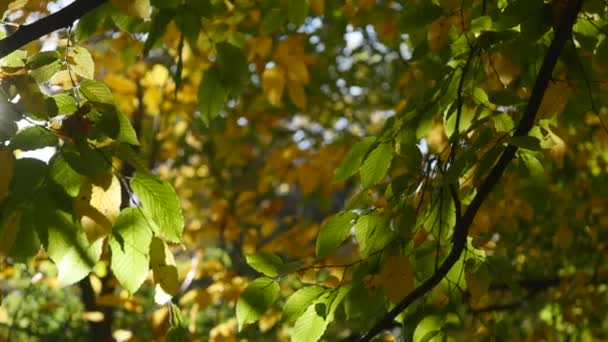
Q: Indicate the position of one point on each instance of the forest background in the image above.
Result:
(303, 170)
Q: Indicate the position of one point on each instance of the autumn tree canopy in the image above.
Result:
(304, 170)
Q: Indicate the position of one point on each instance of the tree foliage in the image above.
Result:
(306, 169)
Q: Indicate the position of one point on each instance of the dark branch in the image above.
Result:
(562, 34)
(61, 19)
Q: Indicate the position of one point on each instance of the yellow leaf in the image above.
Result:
(436, 138)
(269, 320)
(297, 72)
(397, 277)
(225, 332)
(296, 93)
(157, 77)
(500, 70)
(308, 178)
(62, 79)
(152, 100)
(11, 224)
(555, 98)
(7, 160)
(563, 238)
(478, 283)
(318, 6)
(93, 316)
(163, 267)
(437, 34)
(273, 83)
(98, 208)
(31, 97)
(120, 84)
(13, 6)
(558, 150)
(166, 277)
(259, 47)
(135, 8)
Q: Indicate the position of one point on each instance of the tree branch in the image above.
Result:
(58, 20)
(562, 34)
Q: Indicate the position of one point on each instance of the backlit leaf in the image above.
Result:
(255, 300)
(160, 206)
(299, 301)
(96, 92)
(353, 159)
(333, 233)
(267, 263)
(81, 62)
(32, 138)
(212, 95)
(376, 164)
(130, 244)
(164, 270)
(273, 83)
(98, 207)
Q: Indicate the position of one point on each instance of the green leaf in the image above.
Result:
(352, 161)
(44, 65)
(359, 305)
(130, 244)
(503, 122)
(96, 92)
(532, 163)
(135, 8)
(126, 133)
(66, 104)
(177, 334)
(299, 301)
(189, 22)
(77, 263)
(15, 59)
(272, 21)
(310, 326)
(90, 22)
(33, 138)
(63, 174)
(81, 62)
(428, 329)
(442, 217)
(481, 24)
(269, 264)
(160, 205)
(30, 174)
(372, 232)
(480, 96)
(297, 12)
(27, 244)
(527, 142)
(255, 300)
(212, 95)
(333, 233)
(158, 27)
(67, 245)
(106, 122)
(232, 67)
(126, 153)
(376, 164)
